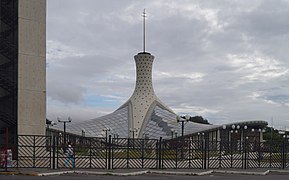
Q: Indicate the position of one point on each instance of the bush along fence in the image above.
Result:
(121, 153)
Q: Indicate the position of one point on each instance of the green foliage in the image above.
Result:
(272, 135)
(198, 119)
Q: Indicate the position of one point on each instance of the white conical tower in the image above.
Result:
(143, 100)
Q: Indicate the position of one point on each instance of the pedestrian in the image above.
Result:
(70, 156)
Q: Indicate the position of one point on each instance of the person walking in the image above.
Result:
(70, 156)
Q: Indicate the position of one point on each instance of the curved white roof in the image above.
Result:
(143, 114)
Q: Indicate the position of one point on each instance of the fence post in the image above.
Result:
(231, 153)
(204, 145)
(283, 156)
(53, 152)
(109, 152)
(57, 152)
(142, 153)
(270, 153)
(90, 149)
(34, 156)
(245, 152)
(190, 142)
(17, 150)
(176, 157)
(285, 153)
(160, 153)
(127, 153)
(220, 153)
(259, 154)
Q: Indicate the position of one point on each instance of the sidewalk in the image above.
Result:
(134, 172)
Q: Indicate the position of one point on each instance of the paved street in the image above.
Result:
(152, 177)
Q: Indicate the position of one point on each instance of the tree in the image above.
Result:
(272, 135)
(198, 119)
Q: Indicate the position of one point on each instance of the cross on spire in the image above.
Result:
(144, 29)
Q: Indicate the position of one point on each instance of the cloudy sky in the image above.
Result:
(226, 60)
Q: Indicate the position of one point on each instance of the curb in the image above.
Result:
(181, 173)
(278, 171)
(54, 173)
(112, 173)
(206, 173)
(94, 173)
(241, 172)
(141, 172)
(9, 173)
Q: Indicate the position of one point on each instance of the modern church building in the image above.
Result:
(22, 67)
(145, 116)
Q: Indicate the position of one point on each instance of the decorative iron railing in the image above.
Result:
(122, 153)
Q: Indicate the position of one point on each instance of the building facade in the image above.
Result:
(22, 67)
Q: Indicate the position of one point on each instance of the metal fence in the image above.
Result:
(120, 153)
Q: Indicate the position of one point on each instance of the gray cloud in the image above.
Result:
(225, 60)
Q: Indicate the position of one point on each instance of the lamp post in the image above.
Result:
(106, 130)
(243, 136)
(133, 130)
(172, 131)
(235, 129)
(182, 121)
(60, 137)
(223, 133)
(222, 139)
(253, 134)
(51, 123)
(200, 136)
(64, 121)
(245, 146)
(48, 124)
(239, 138)
(232, 131)
(146, 135)
(260, 134)
(234, 135)
(115, 135)
(244, 131)
(83, 132)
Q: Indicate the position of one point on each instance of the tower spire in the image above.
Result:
(144, 29)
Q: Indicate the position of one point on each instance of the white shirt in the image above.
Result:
(70, 149)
